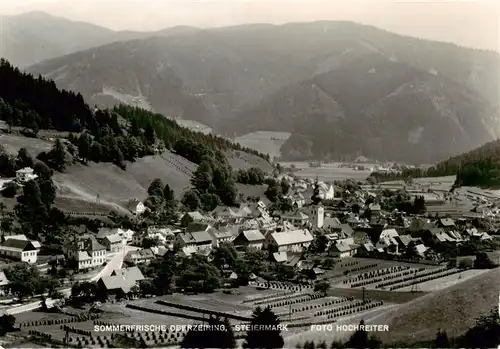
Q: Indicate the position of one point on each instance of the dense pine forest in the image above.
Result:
(123, 133)
(479, 167)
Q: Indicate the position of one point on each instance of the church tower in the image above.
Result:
(317, 215)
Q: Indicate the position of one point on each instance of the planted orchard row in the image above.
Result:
(43, 335)
(345, 307)
(376, 273)
(357, 310)
(59, 321)
(420, 280)
(76, 330)
(332, 302)
(381, 279)
(263, 298)
(305, 298)
(107, 341)
(282, 286)
(348, 264)
(368, 266)
(411, 278)
(283, 298)
(309, 324)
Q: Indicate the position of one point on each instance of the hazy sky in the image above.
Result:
(468, 23)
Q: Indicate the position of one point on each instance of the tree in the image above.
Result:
(6, 324)
(465, 263)
(441, 340)
(10, 189)
(168, 194)
(24, 159)
(156, 188)
(191, 200)
(219, 335)
(485, 334)
(316, 198)
(273, 191)
(322, 286)
(270, 337)
(24, 280)
(482, 261)
(359, 339)
(42, 170)
(57, 156)
(31, 209)
(285, 186)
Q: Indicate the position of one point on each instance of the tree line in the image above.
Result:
(115, 135)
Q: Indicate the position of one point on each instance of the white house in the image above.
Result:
(25, 174)
(20, 248)
(289, 241)
(220, 236)
(3, 283)
(388, 242)
(87, 252)
(326, 191)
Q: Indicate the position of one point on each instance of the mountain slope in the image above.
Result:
(33, 37)
(383, 109)
(454, 310)
(295, 74)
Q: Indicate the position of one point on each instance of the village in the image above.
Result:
(344, 251)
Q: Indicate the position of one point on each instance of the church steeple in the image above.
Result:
(316, 198)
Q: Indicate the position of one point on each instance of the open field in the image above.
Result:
(195, 126)
(240, 160)
(266, 142)
(12, 143)
(453, 309)
(327, 172)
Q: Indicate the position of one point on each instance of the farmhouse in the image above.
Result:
(199, 239)
(121, 281)
(25, 174)
(220, 236)
(290, 241)
(142, 256)
(18, 247)
(249, 239)
(343, 250)
(298, 218)
(113, 243)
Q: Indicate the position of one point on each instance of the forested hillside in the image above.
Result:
(479, 167)
(123, 133)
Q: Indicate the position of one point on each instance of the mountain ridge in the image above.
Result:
(218, 76)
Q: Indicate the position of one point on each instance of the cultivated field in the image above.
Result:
(327, 172)
(266, 142)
